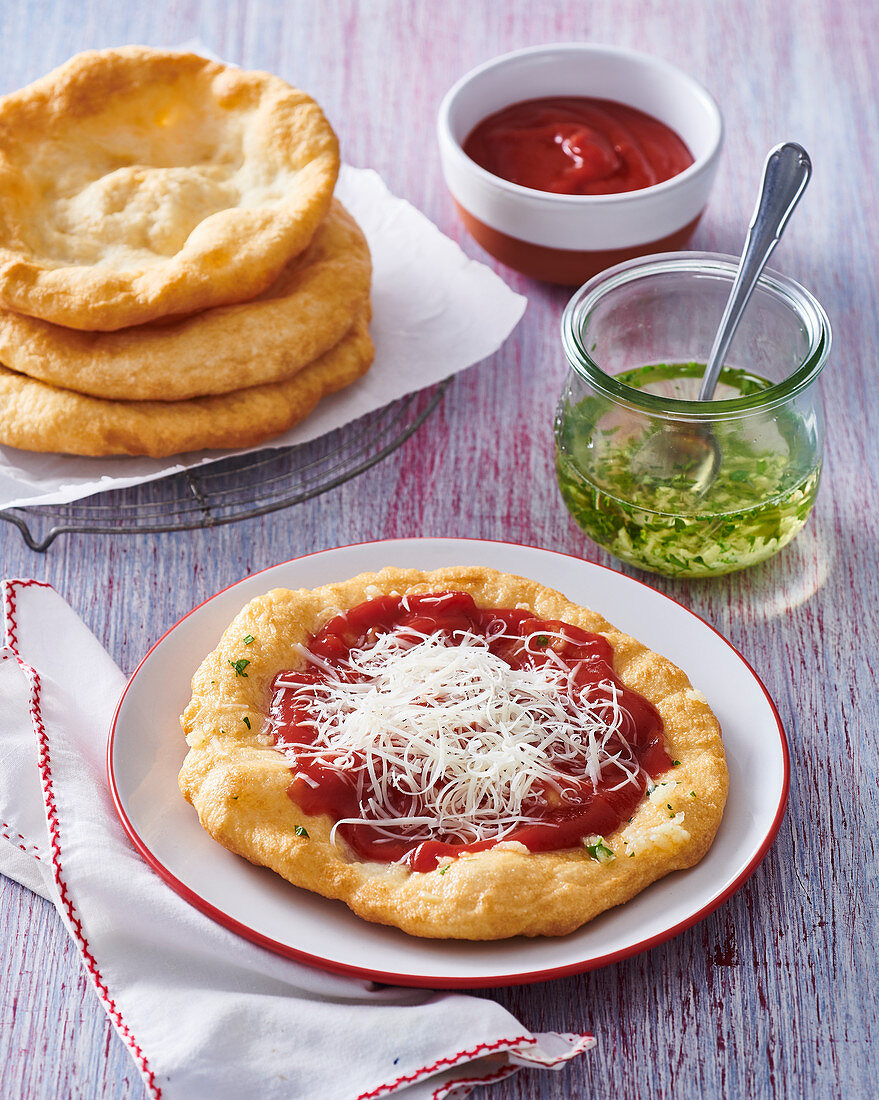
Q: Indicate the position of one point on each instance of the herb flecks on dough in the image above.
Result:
(599, 851)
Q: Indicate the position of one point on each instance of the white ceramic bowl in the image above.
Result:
(569, 238)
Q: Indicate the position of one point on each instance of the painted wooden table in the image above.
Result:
(775, 993)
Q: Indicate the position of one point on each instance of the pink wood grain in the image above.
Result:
(775, 994)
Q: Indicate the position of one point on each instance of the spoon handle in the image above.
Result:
(785, 175)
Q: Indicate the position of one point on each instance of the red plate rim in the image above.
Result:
(432, 981)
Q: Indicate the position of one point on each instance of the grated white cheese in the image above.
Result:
(446, 741)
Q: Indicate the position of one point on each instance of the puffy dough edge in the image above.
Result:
(237, 781)
(231, 256)
(305, 312)
(38, 417)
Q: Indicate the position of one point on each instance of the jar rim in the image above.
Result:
(791, 293)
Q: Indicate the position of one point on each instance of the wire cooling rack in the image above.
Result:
(235, 488)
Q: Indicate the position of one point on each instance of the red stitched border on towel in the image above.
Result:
(45, 765)
(449, 1087)
(586, 1041)
(16, 838)
(448, 1063)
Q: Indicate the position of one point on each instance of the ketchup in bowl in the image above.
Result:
(576, 145)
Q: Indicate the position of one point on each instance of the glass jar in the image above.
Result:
(663, 481)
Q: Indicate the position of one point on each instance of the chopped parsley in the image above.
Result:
(598, 849)
(246, 721)
(758, 498)
(443, 870)
(676, 763)
(300, 830)
(541, 639)
(247, 639)
(240, 665)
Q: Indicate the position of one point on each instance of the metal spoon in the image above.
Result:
(689, 453)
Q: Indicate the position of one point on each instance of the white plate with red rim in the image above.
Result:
(146, 749)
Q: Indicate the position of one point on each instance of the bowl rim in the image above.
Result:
(700, 93)
(800, 301)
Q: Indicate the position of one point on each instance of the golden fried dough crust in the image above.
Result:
(237, 780)
(39, 417)
(137, 183)
(306, 311)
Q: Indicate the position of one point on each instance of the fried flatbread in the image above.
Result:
(237, 780)
(137, 183)
(306, 311)
(38, 417)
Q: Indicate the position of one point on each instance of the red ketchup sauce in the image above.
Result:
(573, 145)
(321, 789)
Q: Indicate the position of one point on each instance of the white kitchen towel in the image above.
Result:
(204, 1013)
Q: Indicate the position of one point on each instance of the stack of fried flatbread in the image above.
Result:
(175, 273)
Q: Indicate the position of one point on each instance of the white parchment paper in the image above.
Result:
(435, 313)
